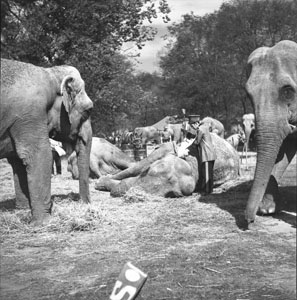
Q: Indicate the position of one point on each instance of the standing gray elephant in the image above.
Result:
(248, 121)
(38, 103)
(272, 86)
(215, 126)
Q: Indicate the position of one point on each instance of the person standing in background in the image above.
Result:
(206, 153)
(57, 152)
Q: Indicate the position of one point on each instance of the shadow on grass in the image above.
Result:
(287, 208)
(10, 204)
(233, 201)
(235, 198)
(70, 196)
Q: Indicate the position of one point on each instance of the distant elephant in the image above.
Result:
(38, 103)
(105, 159)
(147, 134)
(215, 126)
(248, 121)
(167, 120)
(163, 173)
(153, 132)
(272, 87)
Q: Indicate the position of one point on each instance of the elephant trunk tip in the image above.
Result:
(250, 216)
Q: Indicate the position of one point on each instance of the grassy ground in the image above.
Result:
(191, 248)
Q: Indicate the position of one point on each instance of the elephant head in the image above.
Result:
(71, 107)
(272, 87)
(69, 121)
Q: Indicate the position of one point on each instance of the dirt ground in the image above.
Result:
(191, 248)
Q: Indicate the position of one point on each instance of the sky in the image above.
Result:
(148, 60)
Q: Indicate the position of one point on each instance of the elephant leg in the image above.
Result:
(36, 155)
(20, 183)
(39, 182)
(94, 167)
(105, 183)
(272, 197)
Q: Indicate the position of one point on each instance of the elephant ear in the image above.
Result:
(67, 88)
(257, 55)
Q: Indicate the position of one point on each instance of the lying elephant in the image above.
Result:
(272, 87)
(105, 158)
(165, 174)
(38, 103)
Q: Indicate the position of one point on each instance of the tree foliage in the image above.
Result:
(203, 69)
(205, 66)
(87, 34)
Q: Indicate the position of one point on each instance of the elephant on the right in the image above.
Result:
(272, 87)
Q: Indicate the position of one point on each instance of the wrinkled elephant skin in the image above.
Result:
(272, 87)
(37, 103)
(163, 173)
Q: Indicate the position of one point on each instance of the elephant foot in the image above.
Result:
(22, 205)
(270, 199)
(103, 183)
(40, 220)
(119, 190)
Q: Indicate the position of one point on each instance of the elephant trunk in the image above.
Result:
(269, 139)
(247, 138)
(83, 156)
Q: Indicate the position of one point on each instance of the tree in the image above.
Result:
(84, 33)
(205, 66)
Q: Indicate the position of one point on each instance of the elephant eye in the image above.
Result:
(287, 92)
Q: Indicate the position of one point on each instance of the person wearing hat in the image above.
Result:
(206, 153)
(57, 152)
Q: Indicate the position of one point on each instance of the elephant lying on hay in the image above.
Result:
(105, 158)
(163, 173)
(38, 103)
(272, 87)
